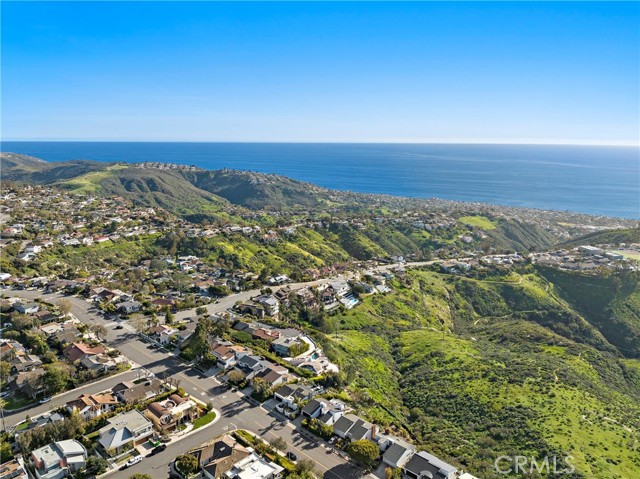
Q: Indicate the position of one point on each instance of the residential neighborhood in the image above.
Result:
(186, 343)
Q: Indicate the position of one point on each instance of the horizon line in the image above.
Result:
(522, 142)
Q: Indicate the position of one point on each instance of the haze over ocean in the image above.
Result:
(599, 180)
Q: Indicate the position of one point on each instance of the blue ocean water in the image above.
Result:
(589, 179)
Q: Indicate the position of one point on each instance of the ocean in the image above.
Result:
(596, 180)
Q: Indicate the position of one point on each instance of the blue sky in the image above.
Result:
(347, 72)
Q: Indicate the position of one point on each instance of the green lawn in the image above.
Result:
(204, 420)
(17, 403)
(479, 222)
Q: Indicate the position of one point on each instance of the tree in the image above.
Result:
(363, 451)
(262, 389)
(168, 315)
(187, 464)
(138, 322)
(96, 466)
(391, 473)
(219, 290)
(100, 331)
(64, 305)
(5, 451)
(200, 310)
(56, 377)
(137, 475)
(278, 444)
(22, 322)
(5, 369)
(305, 469)
(236, 377)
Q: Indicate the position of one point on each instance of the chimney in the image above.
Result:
(374, 431)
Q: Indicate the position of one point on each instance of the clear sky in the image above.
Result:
(347, 72)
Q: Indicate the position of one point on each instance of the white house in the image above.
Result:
(56, 460)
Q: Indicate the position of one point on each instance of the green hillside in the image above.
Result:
(258, 190)
(464, 368)
(628, 235)
(610, 302)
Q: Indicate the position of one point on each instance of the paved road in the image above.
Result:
(236, 410)
(13, 418)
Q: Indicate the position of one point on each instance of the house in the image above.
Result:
(455, 267)
(274, 375)
(164, 303)
(270, 304)
(254, 467)
(317, 366)
(56, 460)
(250, 363)
(362, 430)
(225, 356)
(102, 294)
(332, 411)
(166, 415)
(26, 308)
(25, 362)
(102, 363)
(397, 452)
(289, 394)
(45, 316)
(162, 333)
(29, 382)
(47, 418)
(313, 409)
(217, 457)
(123, 431)
(423, 464)
(285, 345)
(76, 351)
(252, 309)
(354, 428)
(129, 307)
(14, 469)
(245, 326)
(90, 406)
(265, 334)
(8, 350)
(129, 392)
(340, 288)
(68, 334)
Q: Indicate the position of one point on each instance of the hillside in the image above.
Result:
(27, 169)
(628, 235)
(465, 369)
(185, 193)
(609, 302)
(258, 190)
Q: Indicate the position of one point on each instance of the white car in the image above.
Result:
(133, 461)
(45, 400)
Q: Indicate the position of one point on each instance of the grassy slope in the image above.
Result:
(611, 303)
(494, 381)
(630, 235)
(481, 222)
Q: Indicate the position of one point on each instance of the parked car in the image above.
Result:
(45, 400)
(119, 326)
(292, 456)
(158, 450)
(132, 462)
